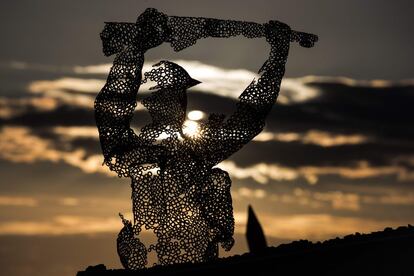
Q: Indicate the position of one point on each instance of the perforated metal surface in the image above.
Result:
(176, 191)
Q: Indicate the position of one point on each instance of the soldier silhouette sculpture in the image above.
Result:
(176, 190)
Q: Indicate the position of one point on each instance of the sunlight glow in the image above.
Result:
(191, 128)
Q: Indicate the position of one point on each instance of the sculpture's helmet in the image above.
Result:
(168, 74)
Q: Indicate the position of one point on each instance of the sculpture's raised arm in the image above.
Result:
(223, 139)
(115, 104)
(114, 108)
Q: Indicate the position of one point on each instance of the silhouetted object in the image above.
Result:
(176, 191)
(388, 252)
(256, 239)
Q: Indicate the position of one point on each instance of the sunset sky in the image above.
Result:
(336, 156)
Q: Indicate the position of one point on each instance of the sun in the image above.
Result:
(195, 115)
(191, 129)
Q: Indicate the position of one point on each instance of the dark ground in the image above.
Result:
(388, 252)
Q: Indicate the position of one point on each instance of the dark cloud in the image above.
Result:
(287, 153)
(45, 177)
(61, 116)
(382, 111)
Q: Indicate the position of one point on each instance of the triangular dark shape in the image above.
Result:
(256, 239)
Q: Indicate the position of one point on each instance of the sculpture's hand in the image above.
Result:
(273, 29)
(150, 31)
(305, 40)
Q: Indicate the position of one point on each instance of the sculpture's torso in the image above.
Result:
(184, 201)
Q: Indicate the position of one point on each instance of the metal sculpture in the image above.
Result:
(176, 190)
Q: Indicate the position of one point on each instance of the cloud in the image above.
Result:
(391, 199)
(316, 137)
(69, 201)
(61, 225)
(18, 144)
(337, 200)
(74, 132)
(376, 83)
(36, 67)
(338, 128)
(71, 91)
(231, 82)
(299, 226)
(98, 69)
(340, 200)
(215, 80)
(249, 193)
(362, 170)
(283, 148)
(220, 81)
(263, 173)
(343, 112)
(320, 226)
(18, 65)
(12, 107)
(18, 201)
(313, 226)
(74, 84)
(311, 106)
